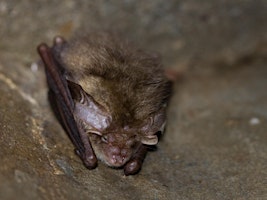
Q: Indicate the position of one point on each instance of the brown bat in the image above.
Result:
(110, 98)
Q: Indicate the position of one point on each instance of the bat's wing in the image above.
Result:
(64, 105)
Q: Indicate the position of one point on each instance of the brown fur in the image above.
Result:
(111, 98)
(128, 82)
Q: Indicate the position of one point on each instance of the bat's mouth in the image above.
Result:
(117, 161)
(113, 155)
(117, 157)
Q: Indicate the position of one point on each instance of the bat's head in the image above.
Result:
(117, 146)
(112, 143)
(115, 141)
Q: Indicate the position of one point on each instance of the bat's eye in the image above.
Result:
(104, 138)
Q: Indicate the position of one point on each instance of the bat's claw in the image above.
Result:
(58, 41)
(132, 167)
(90, 161)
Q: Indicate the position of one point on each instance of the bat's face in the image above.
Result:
(115, 148)
(112, 143)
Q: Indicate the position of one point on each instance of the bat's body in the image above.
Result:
(111, 99)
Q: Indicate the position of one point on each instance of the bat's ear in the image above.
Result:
(155, 124)
(150, 139)
(88, 110)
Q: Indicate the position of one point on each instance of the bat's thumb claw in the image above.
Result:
(132, 167)
(90, 163)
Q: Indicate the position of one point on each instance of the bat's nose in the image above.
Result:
(117, 156)
(117, 160)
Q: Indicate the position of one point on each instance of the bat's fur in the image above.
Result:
(111, 90)
(128, 82)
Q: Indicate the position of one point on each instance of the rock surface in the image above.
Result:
(215, 145)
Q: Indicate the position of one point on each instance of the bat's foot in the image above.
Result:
(90, 161)
(58, 41)
(132, 167)
(136, 162)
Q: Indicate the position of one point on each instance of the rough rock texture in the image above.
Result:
(215, 145)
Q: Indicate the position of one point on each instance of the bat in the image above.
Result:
(109, 96)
